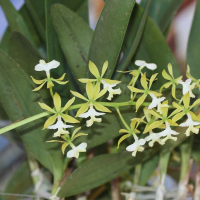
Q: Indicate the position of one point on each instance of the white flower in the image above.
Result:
(156, 102)
(187, 87)
(110, 89)
(75, 150)
(168, 132)
(154, 137)
(143, 64)
(43, 66)
(91, 113)
(190, 124)
(59, 125)
(129, 196)
(136, 146)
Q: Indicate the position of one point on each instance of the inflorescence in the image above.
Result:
(157, 118)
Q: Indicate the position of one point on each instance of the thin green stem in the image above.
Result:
(122, 119)
(161, 88)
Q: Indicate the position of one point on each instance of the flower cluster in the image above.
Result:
(159, 118)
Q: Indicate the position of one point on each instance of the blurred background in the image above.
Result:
(12, 153)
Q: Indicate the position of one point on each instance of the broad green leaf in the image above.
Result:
(19, 101)
(162, 12)
(74, 36)
(148, 167)
(4, 40)
(133, 36)
(19, 183)
(154, 49)
(15, 20)
(100, 170)
(193, 48)
(109, 34)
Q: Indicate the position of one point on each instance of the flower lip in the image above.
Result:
(43, 66)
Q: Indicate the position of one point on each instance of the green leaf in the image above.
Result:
(162, 12)
(15, 20)
(154, 49)
(36, 9)
(100, 170)
(4, 40)
(19, 101)
(148, 167)
(19, 183)
(75, 38)
(193, 48)
(109, 34)
(133, 36)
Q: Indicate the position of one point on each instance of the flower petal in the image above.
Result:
(39, 87)
(68, 104)
(53, 64)
(64, 146)
(132, 147)
(105, 66)
(69, 119)
(57, 102)
(70, 153)
(89, 90)
(140, 63)
(101, 108)
(38, 81)
(78, 95)
(45, 107)
(93, 69)
(82, 146)
(49, 121)
(82, 109)
(151, 66)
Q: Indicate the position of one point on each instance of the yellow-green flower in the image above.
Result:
(132, 130)
(43, 66)
(163, 118)
(196, 81)
(58, 111)
(99, 79)
(137, 72)
(68, 141)
(184, 109)
(146, 90)
(172, 80)
(190, 124)
(93, 93)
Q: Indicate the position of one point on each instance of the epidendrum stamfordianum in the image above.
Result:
(159, 122)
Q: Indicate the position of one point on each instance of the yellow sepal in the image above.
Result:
(123, 138)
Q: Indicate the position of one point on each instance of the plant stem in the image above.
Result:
(163, 163)
(137, 173)
(122, 119)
